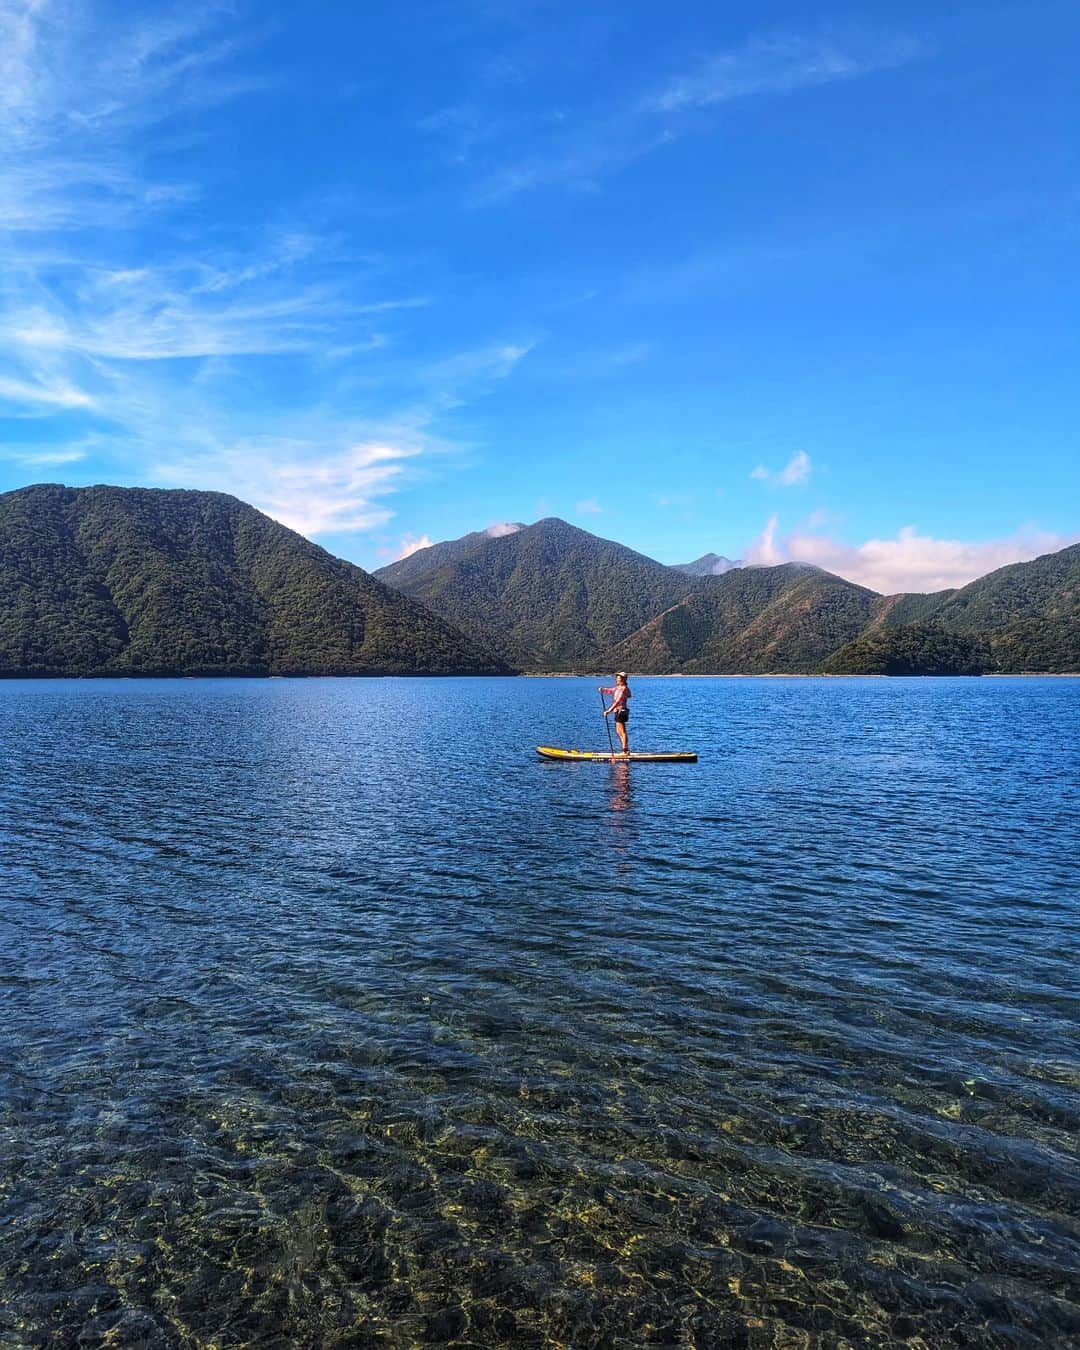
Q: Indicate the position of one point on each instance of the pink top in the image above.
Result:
(619, 694)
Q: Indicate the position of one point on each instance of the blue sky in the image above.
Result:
(775, 280)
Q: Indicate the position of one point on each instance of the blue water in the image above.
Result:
(330, 1015)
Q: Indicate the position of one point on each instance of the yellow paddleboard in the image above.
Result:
(635, 756)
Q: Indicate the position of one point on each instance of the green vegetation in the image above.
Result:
(1045, 588)
(425, 560)
(138, 581)
(914, 649)
(756, 620)
(1038, 645)
(552, 597)
(1029, 613)
(548, 597)
(901, 610)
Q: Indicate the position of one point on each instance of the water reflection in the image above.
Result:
(620, 796)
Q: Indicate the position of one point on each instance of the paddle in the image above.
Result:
(611, 743)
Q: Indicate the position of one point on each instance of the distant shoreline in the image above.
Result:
(224, 676)
(807, 675)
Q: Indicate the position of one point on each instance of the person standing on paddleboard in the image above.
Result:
(620, 701)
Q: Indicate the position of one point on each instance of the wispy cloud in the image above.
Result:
(580, 158)
(151, 316)
(508, 156)
(784, 63)
(152, 68)
(317, 492)
(238, 366)
(493, 362)
(589, 507)
(909, 562)
(72, 97)
(43, 457)
(763, 551)
(33, 397)
(794, 473)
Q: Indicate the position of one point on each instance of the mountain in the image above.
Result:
(546, 597)
(912, 649)
(553, 597)
(708, 565)
(795, 618)
(1029, 612)
(764, 620)
(423, 560)
(109, 580)
(140, 581)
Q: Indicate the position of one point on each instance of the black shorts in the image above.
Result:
(622, 714)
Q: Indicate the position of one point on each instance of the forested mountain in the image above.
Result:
(761, 620)
(135, 581)
(913, 607)
(1029, 612)
(708, 565)
(912, 649)
(108, 580)
(1048, 587)
(549, 596)
(409, 569)
(553, 597)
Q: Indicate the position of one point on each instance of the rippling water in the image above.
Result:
(332, 1016)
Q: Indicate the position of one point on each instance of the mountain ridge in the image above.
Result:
(108, 580)
(127, 581)
(1021, 617)
(551, 596)
(422, 560)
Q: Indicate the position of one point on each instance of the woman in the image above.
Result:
(620, 699)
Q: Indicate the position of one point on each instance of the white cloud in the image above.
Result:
(502, 529)
(763, 551)
(908, 562)
(783, 64)
(410, 544)
(589, 507)
(797, 470)
(794, 473)
(311, 492)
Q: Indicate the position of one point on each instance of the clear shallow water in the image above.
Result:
(329, 1015)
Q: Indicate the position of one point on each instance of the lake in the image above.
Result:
(331, 1015)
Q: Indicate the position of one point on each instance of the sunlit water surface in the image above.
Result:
(331, 1016)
